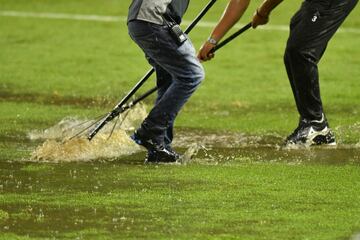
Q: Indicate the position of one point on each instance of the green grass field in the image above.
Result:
(54, 64)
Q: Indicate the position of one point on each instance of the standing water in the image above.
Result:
(197, 145)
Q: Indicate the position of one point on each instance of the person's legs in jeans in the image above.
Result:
(183, 66)
(163, 82)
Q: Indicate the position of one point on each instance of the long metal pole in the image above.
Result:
(232, 37)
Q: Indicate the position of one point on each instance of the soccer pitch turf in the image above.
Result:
(74, 60)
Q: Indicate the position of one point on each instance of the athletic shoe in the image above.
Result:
(158, 157)
(156, 152)
(310, 133)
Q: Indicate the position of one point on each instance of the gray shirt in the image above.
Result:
(151, 10)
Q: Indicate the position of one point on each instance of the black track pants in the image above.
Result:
(311, 28)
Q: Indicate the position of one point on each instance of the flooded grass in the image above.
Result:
(55, 145)
(122, 200)
(230, 184)
(236, 180)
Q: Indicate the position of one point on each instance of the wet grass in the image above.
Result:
(127, 201)
(240, 185)
(56, 99)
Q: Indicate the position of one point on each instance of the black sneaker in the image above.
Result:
(151, 157)
(170, 149)
(156, 152)
(168, 156)
(310, 133)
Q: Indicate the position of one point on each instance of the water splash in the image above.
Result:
(70, 126)
(191, 152)
(200, 146)
(58, 147)
(356, 236)
(80, 149)
(346, 131)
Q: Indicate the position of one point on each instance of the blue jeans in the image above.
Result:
(178, 72)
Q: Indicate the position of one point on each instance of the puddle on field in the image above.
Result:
(233, 148)
(261, 154)
(83, 200)
(195, 145)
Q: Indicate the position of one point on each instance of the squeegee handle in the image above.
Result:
(232, 37)
(117, 109)
(200, 16)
